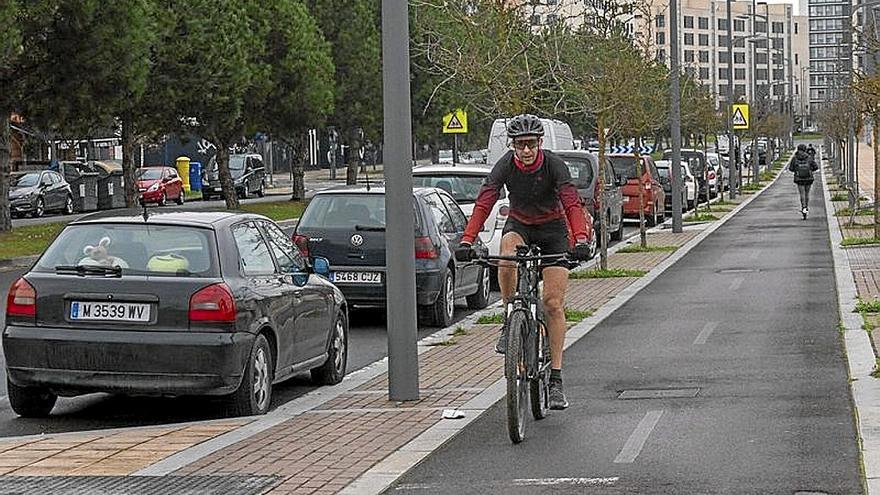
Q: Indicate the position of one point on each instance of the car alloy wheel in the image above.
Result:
(449, 294)
(254, 394)
(164, 199)
(182, 198)
(332, 371)
(262, 383)
(68, 206)
(480, 299)
(39, 208)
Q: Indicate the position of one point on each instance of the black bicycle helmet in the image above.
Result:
(524, 125)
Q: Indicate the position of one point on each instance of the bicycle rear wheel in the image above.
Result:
(517, 377)
(539, 386)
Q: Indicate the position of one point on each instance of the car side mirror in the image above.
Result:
(321, 266)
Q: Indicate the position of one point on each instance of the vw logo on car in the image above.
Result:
(357, 240)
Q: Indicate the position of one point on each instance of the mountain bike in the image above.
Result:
(527, 359)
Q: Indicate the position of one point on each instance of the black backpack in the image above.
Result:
(803, 170)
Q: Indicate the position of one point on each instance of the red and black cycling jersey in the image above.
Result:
(540, 193)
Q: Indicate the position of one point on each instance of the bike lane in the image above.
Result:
(726, 374)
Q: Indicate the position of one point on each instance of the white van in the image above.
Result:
(557, 136)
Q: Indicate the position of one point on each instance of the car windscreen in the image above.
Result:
(149, 174)
(625, 166)
(344, 211)
(463, 188)
(581, 171)
(663, 171)
(138, 249)
(26, 180)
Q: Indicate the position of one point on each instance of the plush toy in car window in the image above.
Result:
(99, 255)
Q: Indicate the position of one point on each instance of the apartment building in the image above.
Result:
(769, 54)
(829, 44)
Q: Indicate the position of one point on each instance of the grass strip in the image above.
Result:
(839, 197)
(276, 210)
(872, 306)
(637, 248)
(859, 241)
(493, 319)
(607, 273)
(876, 372)
(577, 315)
(847, 211)
(751, 187)
(28, 240)
(701, 217)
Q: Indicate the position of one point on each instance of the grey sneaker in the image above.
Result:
(557, 396)
(501, 345)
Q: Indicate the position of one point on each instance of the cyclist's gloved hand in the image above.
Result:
(465, 252)
(581, 250)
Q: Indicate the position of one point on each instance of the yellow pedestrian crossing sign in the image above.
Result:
(455, 122)
(740, 116)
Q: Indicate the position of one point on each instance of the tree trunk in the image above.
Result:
(129, 171)
(226, 181)
(643, 235)
(603, 225)
(353, 160)
(298, 185)
(875, 132)
(5, 167)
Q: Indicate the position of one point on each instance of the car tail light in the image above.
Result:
(22, 299)
(711, 175)
(302, 243)
(503, 212)
(213, 303)
(425, 249)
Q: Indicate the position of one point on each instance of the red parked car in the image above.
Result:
(160, 184)
(654, 202)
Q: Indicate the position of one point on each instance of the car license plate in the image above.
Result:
(109, 311)
(357, 277)
(626, 199)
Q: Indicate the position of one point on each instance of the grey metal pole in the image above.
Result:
(403, 361)
(731, 155)
(675, 117)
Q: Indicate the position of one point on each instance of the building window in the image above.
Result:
(760, 27)
(760, 43)
(739, 57)
(761, 74)
(739, 25)
(722, 24)
(739, 91)
(722, 40)
(796, 59)
(761, 58)
(704, 40)
(704, 56)
(779, 43)
(661, 55)
(536, 19)
(795, 28)
(689, 21)
(777, 59)
(703, 22)
(689, 39)
(688, 55)
(779, 74)
(722, 73)
(661, 38)
(704, 73)
(778, 27)
(723, 58)
(739, 74)
(660, 21)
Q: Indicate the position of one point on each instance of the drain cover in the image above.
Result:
(659, 393)
(140, 485)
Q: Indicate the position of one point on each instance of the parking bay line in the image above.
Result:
(705, 333)
(634, 444)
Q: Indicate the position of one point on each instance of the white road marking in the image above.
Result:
(736, 283)
(564, 481)
(633, 446)
(705, 333)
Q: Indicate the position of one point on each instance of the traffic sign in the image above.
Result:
(740, 116)
(455, 122)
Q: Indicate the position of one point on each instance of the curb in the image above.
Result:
(381, 476)
(859, 355)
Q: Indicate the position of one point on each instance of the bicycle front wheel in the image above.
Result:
(517, 376)
(539, 385)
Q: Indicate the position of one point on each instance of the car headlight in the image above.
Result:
(153, 188)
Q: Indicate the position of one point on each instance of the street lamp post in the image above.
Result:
(675, 117)
(732, 158)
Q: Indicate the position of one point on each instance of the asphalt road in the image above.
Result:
(368, 343)
(747, 322)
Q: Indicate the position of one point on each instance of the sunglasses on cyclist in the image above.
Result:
(532, 144)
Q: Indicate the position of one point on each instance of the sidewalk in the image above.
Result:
(344, 439)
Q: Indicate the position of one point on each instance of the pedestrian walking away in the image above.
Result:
(803, 165)
(542, 197)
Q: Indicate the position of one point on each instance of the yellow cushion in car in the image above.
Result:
(168, 263)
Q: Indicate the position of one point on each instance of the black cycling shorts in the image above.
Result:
(551, 237)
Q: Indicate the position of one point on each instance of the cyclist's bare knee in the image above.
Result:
(508, 248)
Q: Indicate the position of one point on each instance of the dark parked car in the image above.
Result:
(35, 193)
(698, 164)
(159, 184)
(248, 176)
(664, 168)
(584, 169)
(347, 226)
(179, 303)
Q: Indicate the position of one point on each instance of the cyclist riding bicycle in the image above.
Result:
(542, 197)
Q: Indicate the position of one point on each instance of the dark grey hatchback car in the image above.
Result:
(177, 303)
